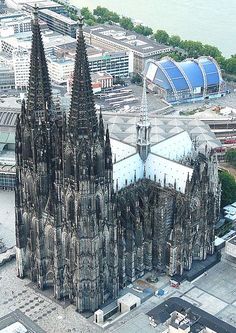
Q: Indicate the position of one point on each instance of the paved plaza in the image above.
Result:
(42, 310)
(7, 218)
(214, 292)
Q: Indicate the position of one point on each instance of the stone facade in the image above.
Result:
(75, 232)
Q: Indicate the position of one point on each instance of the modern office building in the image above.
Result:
(186, 81)
(21, 60)
(11, 42)
(117, 64)
(51, 5)
(7, 77)
(60, 69)
(115, 38)
(57, 22)
(19, 23)
(29, 4)
(7, 156)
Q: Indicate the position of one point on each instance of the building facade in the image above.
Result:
(57, 22)
(21, 60)
(115, 38)
(87, 226)
(19, 21)
(7, 78)
(117, 64)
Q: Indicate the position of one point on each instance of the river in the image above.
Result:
(209, 21)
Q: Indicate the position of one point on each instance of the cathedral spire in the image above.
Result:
(143, 127)
(108, 153)
(82, 118)
(144, 106)
(39, 90)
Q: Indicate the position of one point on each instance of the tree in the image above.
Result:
(136, 79)
(90, 22)
(177, 56)
(194, 49)
(126, 23)
(114, 17)
(228, 191)
(143, 30)
(101, 11)
(105, 15)
(230, 157)
(175, 40)
(212, 51)
(85, 12)
(162, 36)
(230, 65)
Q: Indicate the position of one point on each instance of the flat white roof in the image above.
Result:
(129, 299)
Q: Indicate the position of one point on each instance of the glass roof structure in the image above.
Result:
(195, 76)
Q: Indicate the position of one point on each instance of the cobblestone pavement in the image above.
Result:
(50, 316)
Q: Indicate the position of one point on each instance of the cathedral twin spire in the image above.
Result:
(39, 91)
(82, 118)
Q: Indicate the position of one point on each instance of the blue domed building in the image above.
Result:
(186, 81)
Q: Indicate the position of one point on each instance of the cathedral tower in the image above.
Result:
(33, 160)
(88, 190)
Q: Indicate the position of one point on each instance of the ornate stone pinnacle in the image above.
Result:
(80, 21)
(35, 12)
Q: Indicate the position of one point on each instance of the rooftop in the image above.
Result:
(44, 4)
(232, 240)
(128, 39)
(203, 319)
(58, 17)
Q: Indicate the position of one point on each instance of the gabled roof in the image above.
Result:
(161, 165)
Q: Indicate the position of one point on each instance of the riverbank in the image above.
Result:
(212, 22)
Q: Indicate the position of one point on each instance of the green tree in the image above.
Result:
(73, 16)
(230, 157)
(194, 49)
(136, 79)
(230, 65)
(101, 11)
(212, 51)
(143, 30)
(85, 12)
(177, 56)
(228, 190)
(90, 22)
(175, 40)
(162, 36)
(126, 23)
(114, 17)
(105, 15)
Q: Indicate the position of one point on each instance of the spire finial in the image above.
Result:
(35, 13)
(80, 22)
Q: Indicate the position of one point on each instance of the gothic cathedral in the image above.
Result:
(82, 229)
